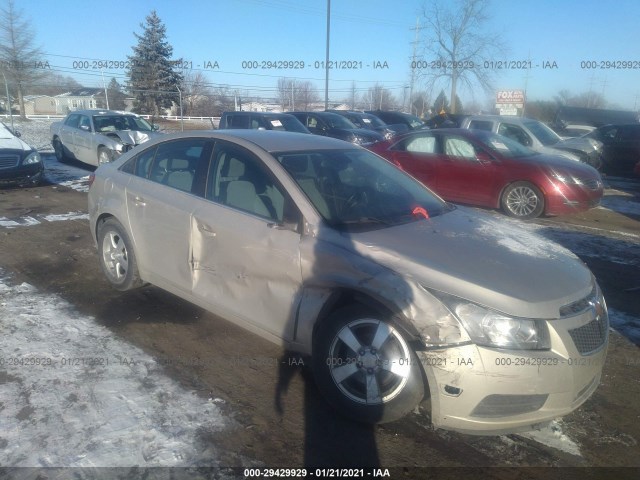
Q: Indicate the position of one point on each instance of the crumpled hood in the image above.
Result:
(489, 261)
(577, 143)
(134, 137)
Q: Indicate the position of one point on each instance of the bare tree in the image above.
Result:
(196, 93)
(456, 45)
(296, 94)
(380, 98)
(54, 84)
(20, 60)
(419, 104)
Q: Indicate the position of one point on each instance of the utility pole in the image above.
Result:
(326, 78)
(413, 63)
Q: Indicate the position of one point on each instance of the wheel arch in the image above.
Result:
(343, 296)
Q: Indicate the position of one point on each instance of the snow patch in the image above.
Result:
(552, 436)
(67, 216)
(75, 395)
(621, 202)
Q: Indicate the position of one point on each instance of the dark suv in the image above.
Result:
(261, 121)
(411, 121)
(371, 122)
(333, 125)
(621, 146)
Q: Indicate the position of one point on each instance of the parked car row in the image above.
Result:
(336, 253)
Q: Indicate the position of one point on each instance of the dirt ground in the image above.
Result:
(280, 418)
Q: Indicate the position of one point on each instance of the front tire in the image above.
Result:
(117, 258)
(522, 200)
(365, 367)
(58, 148)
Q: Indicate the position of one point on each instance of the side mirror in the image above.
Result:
(17, 133)
(155, 127)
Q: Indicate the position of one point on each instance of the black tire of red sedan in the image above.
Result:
(117, 258)
(364, 366)
(522, 200)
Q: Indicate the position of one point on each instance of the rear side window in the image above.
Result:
(238, 121)
(139, 165)
(174, 164)
(73, 121)
(481, 125)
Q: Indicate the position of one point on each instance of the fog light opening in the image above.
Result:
(451, 390)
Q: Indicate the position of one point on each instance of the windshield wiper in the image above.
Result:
(364, 220)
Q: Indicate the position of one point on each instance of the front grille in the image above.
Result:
(9, 161)
(592, 336)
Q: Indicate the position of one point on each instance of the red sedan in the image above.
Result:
(481, 168)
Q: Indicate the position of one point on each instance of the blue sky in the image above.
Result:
(366, 32)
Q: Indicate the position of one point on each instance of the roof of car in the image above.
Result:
(269, 140)
(266, 114)
(102, 111)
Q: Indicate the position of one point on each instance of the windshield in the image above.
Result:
(503, 145)
(338, 121)
(544, 134)
(112, 123)
(372, 121)
(357, 188)
(286, 122)
(415, 122)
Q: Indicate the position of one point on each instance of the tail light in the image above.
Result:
(92, 177)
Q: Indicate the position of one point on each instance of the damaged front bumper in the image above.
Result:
(486, 391)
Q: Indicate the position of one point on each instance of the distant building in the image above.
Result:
(79, 99)
(39, 105)
(260, 107)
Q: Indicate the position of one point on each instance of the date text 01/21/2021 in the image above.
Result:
(317, 64)
(486, 64)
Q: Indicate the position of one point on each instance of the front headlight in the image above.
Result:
(33, 157)
(566, 178)
(494, 329)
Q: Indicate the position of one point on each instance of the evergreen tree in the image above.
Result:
(116, 97)
(154, 77)
(441, 104)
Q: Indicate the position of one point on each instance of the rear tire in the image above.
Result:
(364, 366)
(117, 259)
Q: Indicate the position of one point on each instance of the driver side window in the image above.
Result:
(516, 133)
(458, 147)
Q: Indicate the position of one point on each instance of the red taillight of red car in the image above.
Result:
(92, 177)
(636, 170)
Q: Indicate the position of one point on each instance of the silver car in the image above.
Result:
(99, 136)
(537, 136)
(328, 249)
